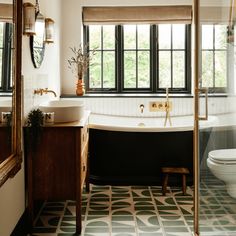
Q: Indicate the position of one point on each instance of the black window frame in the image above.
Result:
(154, 59)
(228, 63)
(7, 58)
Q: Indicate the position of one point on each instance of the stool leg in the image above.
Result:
(184, 184)
(164, 185)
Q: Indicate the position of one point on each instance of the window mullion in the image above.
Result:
(171, 56)
(4, 60)
(188, 58)
(120, 55)
(136, 56)
(214, 49)
(102, 57)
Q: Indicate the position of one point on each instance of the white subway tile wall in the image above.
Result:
(30, 100)
(181, 106)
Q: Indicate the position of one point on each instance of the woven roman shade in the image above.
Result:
(137, 15)
(6, 12)
(214, 15)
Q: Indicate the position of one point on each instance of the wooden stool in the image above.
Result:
(174, 170)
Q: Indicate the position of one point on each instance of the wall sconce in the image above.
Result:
(49, 30)
(29, 19)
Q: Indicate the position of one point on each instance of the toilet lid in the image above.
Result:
(223, 156)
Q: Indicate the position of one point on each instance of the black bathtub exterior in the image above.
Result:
(136, 158)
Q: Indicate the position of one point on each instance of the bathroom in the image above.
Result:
(123, 202)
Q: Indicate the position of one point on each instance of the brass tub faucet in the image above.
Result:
(141, 106)
(41, 91)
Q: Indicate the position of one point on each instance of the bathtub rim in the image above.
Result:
(137, 128)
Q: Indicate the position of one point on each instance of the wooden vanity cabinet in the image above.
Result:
(57, 169)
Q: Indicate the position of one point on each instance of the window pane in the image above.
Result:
(143, 36)
(95, 36)
(164, 33)
(220, 36)
(143, 70)
(164, 69)
(109, 37)
(207, 36)
(129, 69)
(109, 70)
(130, 36)
(1, 34)
(11, 71)
(95, 71)
(178, 70)
(0, 67)
(178, 36)
(207, 69)
(220, 69)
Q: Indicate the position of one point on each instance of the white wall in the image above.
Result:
(12, 193)
(48, 75)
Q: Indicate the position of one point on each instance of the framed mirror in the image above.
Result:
(12, 154)
(37, 44)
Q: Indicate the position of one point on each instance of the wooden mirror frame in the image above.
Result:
(12, 164)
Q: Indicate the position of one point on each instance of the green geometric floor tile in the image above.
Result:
(141, 211)
(123, 229)
(152, 229)
(147, 221)
(123, 234)
(176, 229)
(164, 201)
(98, 230)
(121, 224)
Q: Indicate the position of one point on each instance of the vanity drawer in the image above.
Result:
(84, 135)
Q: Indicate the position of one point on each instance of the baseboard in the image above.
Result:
(21, 228)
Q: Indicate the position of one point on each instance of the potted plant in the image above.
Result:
(79, 64)
(34, 125)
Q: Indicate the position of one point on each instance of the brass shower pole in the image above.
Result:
(196, 66)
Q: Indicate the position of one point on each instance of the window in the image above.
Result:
(214, 57)
(139, 58)
(5, 57)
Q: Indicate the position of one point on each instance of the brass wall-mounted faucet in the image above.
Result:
(141, 106)
(42, 91)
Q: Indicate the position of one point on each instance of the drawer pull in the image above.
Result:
(83, 168)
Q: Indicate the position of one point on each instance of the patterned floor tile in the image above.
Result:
(150, 229)
(146, 221)
(141, 211)
(123, 234)
(164, 201)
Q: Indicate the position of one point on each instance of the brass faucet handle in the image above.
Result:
(141, 106)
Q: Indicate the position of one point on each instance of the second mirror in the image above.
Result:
(37, 44)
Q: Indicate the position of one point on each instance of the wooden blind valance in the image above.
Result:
(6, 12)
(214, 15)
(134, 15)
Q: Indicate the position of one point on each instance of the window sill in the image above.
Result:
(5, 94)
(150, 95)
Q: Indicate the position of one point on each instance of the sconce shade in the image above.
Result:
(29, 19)
(49, 30)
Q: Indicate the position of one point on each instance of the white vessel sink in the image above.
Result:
(64, 110)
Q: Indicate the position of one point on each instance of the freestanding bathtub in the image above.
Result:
(131, 150)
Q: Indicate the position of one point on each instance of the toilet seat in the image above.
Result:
(223, 156)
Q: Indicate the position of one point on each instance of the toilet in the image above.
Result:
(222, 164)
